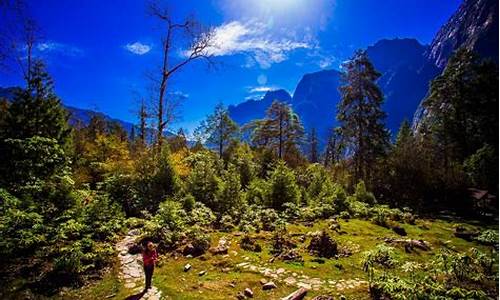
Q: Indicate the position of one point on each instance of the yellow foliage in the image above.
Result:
(178, 160)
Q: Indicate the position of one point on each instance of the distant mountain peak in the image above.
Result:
(252, 109)
(474, 25)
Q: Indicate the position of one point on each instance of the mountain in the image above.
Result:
(77, 115)
(315, 100)
(256, 109)
(406, 74)
(474, 25)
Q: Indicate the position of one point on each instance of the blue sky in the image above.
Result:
(100, 52)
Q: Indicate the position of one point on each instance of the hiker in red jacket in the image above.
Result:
(149, 257)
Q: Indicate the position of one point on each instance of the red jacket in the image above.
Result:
(149, 257)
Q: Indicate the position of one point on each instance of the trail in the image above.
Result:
(131, 269)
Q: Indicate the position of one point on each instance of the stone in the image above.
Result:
(219, 250)
(280, 271)
(202, 273)
(304, 285)
(263, 281)
(187, 267)
(240, 296)
(290, 280)
(248, 292)
(130, 285)
(269, 286)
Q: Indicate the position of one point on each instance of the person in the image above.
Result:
(149, 257)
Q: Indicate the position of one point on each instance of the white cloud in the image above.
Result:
(261, 89)
(138, 48)
(253, 39)
(59, 48)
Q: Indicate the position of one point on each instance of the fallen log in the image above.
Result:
(297, 295)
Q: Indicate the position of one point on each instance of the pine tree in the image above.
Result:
(281, 129)
(463, 106)
(36, 111)
(313, 143)
(219, 129)
(360, 114)
(334, 148)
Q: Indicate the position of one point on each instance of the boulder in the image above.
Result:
(323, 245)
(248, 292)
(219, 250)
(187, 267)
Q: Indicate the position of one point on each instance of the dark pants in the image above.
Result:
(148, 271)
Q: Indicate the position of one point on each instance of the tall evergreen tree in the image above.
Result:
(463, 106)
(36, 110)
(334, 148)
(313, 143)
(281, 129)
(360, 114)
(219, 129)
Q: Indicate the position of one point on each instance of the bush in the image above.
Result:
(171, 216)
(488, 237)
(199, 240)
(362, 195)
(256, 192)
(382, 256)
(201, 215)
(21, 229)
(282, 187)
(227, 223)
(268, 219)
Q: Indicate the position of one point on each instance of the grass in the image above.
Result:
(215, 284)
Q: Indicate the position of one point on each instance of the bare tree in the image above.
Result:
(199, 40)
(18, 38)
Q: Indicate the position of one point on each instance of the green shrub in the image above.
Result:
(282, 187)
(488, 237)
(362, 195)
(201, 215)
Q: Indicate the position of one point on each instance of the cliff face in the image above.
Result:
(256, 109)
(474, 25)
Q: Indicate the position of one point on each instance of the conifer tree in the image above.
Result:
(219, 129)
(36, 110)
(313, 143)
(281, 129)
(360, 114)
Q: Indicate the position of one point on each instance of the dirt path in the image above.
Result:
(131, 270)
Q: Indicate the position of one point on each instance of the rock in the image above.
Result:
(280, 271)
(202, 273)
(323, 245)
(304, 285)
(226, 270)
(269, 286)
(248, 292)
(134, 232)
(187, 267)
(290, 280)
(130, 285)
(219, 250)
(263, 281)
(240, 296)
(399, 230)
